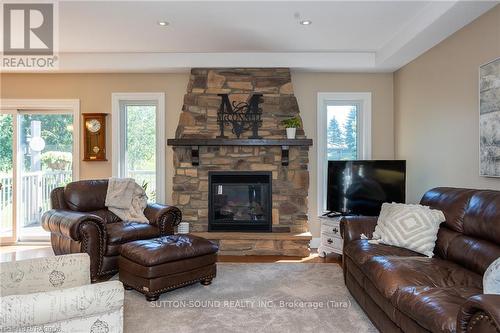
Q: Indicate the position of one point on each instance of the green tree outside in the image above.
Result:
(342, 136)
(141, 137)
(336, 139)
(5, 142)
(335, 134)
(141, 146)
(57, 131)
(351, 140)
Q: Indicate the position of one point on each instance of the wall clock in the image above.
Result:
(94, 136)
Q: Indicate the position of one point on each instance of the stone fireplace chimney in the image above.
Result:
(198, 120)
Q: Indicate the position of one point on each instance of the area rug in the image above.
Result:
(274, 297)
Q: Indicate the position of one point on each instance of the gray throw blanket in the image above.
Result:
(126, 199)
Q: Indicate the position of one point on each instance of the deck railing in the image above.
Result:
(35, 191)
(35, 188)
(6, 195)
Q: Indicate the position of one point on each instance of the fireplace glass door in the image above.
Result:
(240, 202)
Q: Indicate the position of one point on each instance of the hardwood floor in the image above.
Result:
(21, 252)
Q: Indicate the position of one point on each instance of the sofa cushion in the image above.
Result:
(481, 235)
(128, 231)
(390, 273)
(360, 251)
(435, 309)
(452, 202)
(470, 236)
(482, 217)
(86, 195)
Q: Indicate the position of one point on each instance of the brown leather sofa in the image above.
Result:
(403, 291)
(80, 222)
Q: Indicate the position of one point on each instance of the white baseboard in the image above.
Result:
(315, 243)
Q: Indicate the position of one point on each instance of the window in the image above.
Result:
(138, 149)
(344, 132)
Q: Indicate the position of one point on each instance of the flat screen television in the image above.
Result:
(360, 187)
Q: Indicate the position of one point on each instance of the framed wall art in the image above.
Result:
(489, 119)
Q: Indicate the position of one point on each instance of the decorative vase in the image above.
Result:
(290, 133)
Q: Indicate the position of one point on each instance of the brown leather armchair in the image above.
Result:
(80, 222)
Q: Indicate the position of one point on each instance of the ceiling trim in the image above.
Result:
(437, 21)
(181, 62)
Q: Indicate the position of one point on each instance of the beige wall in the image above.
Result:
(307, 85)
(437, 109)
(94, 92)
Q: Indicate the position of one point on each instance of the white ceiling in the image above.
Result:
(374, 36)
(231, 26)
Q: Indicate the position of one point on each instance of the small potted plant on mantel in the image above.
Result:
(291, 126)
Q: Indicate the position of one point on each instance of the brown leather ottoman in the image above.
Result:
(154, 266)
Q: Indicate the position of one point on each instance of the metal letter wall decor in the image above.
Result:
(241, 116)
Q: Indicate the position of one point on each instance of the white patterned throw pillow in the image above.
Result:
(491, 278)
(413, 227)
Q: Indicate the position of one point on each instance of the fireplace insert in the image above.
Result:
(239, 201)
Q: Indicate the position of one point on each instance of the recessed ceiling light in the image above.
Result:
(306, 22)
(163, 23)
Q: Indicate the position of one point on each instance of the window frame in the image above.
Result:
(119, 100)
(364, 138)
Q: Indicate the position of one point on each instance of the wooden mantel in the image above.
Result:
(196, 143)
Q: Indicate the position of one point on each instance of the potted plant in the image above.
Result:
(291, 126)
(57, 160)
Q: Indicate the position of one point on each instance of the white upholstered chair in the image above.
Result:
(54, 294)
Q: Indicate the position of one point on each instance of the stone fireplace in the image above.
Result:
(199, 155)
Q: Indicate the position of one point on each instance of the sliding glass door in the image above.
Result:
(46, 159)
(37, 155)
(7, 194)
